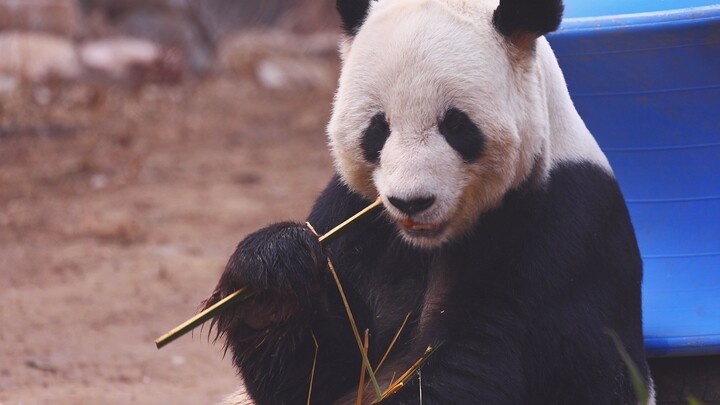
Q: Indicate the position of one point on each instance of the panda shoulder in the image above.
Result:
(569, 139)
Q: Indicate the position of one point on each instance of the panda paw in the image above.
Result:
(282, 265)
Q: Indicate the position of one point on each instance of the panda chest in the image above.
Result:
(392, 290)
(392, 299)
(420, 296)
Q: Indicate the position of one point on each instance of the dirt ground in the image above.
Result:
(118, 210)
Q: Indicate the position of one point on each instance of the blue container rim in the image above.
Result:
(647, 20)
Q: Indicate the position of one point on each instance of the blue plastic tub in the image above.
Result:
(645, 76)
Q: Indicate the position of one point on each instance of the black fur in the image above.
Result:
(374, 137)
(521, 303)
(352, 14)
(462, 134)
(534, 17)
(260, 253)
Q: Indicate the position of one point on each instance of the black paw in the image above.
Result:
(282, 264)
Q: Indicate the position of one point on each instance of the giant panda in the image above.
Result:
(504, 233)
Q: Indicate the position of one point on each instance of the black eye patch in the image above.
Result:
(374, 137)
(462, 134)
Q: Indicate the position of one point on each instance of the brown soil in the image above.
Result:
(118, 210)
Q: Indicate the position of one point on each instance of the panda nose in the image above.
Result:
(412, 206)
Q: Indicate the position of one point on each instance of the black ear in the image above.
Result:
(524, 20)
(352, 14)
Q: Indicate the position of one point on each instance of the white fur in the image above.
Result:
(651, 394)
(413, 59)
(239, 397)
(569, 139)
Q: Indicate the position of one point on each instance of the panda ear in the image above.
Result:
(523, 21)
(352, 14)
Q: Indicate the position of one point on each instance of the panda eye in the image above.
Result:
(462, 134)
(374, 137)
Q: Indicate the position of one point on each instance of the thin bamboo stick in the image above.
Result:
(200, 318)
(243, 293)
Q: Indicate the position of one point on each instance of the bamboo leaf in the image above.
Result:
(693, 401)
(405, 377)
(636, 378)
(361, 384)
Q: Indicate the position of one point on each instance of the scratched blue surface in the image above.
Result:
(645, 76)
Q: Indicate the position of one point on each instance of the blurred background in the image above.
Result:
(140, 140)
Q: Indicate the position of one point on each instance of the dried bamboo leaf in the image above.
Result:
(365, 359)
(392, 343)
(390, 347)
(403, 379)
(361, 384)
(312, 372)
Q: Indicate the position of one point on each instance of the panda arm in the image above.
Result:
(478, 367)
(276, 363)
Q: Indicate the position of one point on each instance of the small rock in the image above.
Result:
(99, 181)
(272, 75)
(247, 178)
(41, 365)
(177, 360)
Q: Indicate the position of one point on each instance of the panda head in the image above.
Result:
(440, 108)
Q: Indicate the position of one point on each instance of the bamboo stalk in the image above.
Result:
(351, 318)
(200, 318)
(243, 293)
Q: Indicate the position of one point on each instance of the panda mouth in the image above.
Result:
(422, 230)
